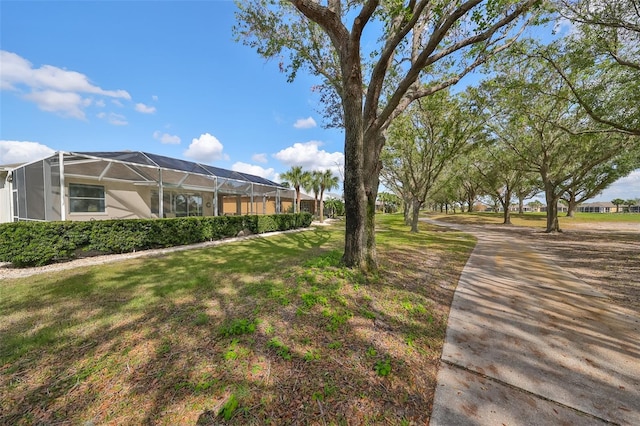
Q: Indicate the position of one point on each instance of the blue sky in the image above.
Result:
(162, 77)
(159, 76)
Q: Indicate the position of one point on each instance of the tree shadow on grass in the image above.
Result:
(144, 342)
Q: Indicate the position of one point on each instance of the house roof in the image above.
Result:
(155, 160)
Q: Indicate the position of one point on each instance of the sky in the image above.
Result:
(164, 77)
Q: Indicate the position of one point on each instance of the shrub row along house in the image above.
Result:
(131, 184)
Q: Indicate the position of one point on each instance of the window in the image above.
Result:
(86, 198)
(177, 203)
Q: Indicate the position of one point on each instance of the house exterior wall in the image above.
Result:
(232, 205)
(129, 192)
(122, 201)
(6, 209)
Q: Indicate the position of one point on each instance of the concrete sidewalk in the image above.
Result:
(530, 344)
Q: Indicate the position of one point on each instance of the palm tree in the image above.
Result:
(312, 184)
(296, 178)
(327, 182)
(629, 203)
(617, 202)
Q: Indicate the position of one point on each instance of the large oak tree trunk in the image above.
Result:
(505, 206)
(407, 211)
(572, 206)
(552, 209)
(415, 204)
(372, 168)
(355, 238)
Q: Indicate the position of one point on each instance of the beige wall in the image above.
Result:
(230, 205)
(126, 201)
(123, 201)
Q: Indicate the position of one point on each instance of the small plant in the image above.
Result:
(414, 308)
(280, 348)
(201, 319)
(165, 346)
(312, 299)
(280, 296)
(229, 407)
(233, 352)
(311, 355)
(371, 352)
(336, 318)
(383, 367)
(238, 327)
(330, 388)
(305, 340)
(205, 383)
(367, 313)
(335, 345)
(411, 340)
(333, 258)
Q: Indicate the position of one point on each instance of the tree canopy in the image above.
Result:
(418, 47)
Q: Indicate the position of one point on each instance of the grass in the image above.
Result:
(267, 331)
(539, 220)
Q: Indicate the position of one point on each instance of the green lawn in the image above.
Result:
(539, 219)
(266, 331)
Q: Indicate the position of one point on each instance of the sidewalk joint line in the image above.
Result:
(509, 385)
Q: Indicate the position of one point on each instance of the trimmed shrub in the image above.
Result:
(39, 243)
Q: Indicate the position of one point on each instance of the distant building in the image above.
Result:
(599, 207)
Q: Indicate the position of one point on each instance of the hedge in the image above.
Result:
(27, 244)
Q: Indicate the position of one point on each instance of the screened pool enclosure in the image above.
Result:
(126, 184)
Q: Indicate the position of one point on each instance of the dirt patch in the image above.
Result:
(606, 259)
(604, 255)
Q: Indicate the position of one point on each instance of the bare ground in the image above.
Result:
(608, 258)
(604, 255)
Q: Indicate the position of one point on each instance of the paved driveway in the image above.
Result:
(530, 344)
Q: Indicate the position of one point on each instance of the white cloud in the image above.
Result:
(113, 118)
(53, 89)
(310, 157)
(259, 158)
(166, 138)
(563, 27)
(145, 109)
(117, 103)
(67, 104)
(626, 188)
(155, 98)
(305, 123)
(15, 152)
(100, 103)
(206, 148)
(254, 170)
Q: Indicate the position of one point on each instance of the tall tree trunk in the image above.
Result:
(552, 208)
(322, 206)
(571, 205)
(415, 213)
(372, 168)
(407, 211)
(520, 205)
(506, 215)
(506, 204)
(354, 190)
